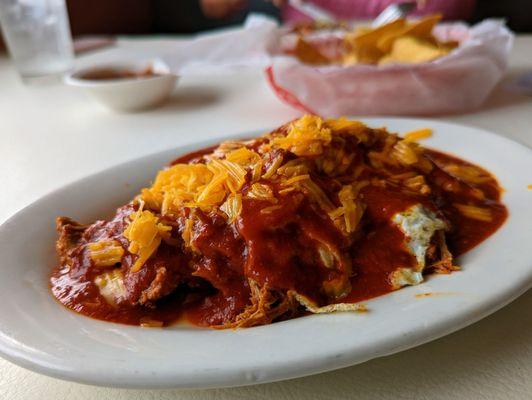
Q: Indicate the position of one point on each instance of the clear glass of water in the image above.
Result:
(37, 34)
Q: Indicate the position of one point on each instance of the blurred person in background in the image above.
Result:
(369, 9)
(189, 16)
(160, 16)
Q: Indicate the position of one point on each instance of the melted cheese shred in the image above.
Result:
(419, 134)
(291, 159)
(351, 210)
(306, 136)
(331, 308)
(217, 182)
(144, 233)
(105, 253)
(474, 212)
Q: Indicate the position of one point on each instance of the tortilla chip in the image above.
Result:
(399, 41)
(412, 50)
(350, 59)
(308, 54)
(338, 307)
(371, 37)
(424, 26)
(420, 29)
(364, 45)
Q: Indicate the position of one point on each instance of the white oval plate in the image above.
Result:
(38, 333)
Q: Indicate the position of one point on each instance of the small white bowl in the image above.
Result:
(127, 94)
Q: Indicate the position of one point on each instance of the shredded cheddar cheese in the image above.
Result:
(256, 171)
(288, 160)
(295, 179)
(176, 186)
(243, 156)
(144, 233)
(294, 168)
(272, 169)
(316, 194)
(194, 185)
(261, 191)
(419, 134)
(467, 173)
(231, 173)
(232, 206)
(344, 125)
(268, 210)
(105, 253)
(287, 190)
(351, 210)
(404, 153)
(208, 185)
(474, 212)
(417, 184)
(306, 137)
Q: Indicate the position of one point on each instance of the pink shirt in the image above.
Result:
(367, 9)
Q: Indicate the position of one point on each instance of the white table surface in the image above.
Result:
(51, 135)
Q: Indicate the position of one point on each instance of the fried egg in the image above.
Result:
(419, 225)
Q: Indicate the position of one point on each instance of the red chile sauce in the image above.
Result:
(373, 254)
(107, 74)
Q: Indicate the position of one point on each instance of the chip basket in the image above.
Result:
(458, 82)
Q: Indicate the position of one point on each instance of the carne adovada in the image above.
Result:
(315, 216)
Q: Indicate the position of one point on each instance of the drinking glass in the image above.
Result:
(37, 34)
